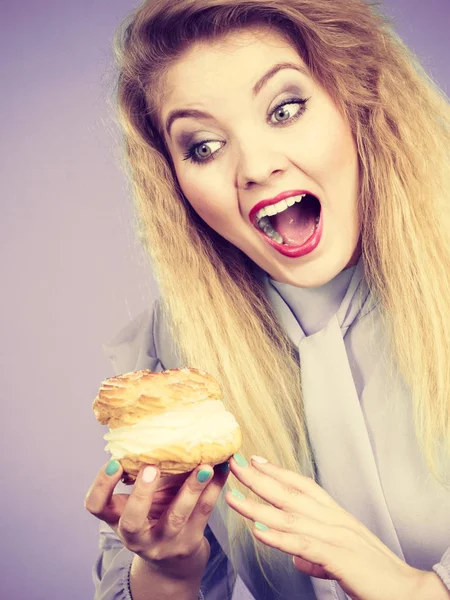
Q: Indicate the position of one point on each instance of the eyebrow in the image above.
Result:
(200, 114)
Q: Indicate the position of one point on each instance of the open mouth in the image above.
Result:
(291, 221)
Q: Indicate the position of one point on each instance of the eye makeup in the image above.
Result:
(191, 153)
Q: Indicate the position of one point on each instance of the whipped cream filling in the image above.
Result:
(203, 422)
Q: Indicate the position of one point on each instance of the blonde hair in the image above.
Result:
(211, 296)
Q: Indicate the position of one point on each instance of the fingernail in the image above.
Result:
(203, 475)
(237, 494)
(149, 474)
(261, 526)
(224, 467)
(112, 467)
(259, 459)
(240, 460)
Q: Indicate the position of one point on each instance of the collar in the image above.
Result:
(307, 311)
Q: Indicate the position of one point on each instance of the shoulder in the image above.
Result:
(132, 340)
(145, 342)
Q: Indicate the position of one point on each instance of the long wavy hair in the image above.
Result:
(211, 296)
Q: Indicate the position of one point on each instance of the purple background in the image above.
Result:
(72, 273)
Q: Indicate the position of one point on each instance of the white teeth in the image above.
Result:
(278, 207)
(263, 221)
(270, 210)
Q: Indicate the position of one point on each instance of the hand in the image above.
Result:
(163, 521)
(326, 541)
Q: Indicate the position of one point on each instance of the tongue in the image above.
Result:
(296, 224)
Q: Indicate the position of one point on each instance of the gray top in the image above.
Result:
(360, 425)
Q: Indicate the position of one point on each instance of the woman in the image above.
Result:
(333, 354)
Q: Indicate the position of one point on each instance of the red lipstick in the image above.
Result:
(291, 251)
(282, 196)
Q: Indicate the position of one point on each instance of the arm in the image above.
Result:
(116, 568)
(433, 588)
(110, 573)
(145, 344)
(143, 578)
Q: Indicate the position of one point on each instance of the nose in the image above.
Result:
(258, 164)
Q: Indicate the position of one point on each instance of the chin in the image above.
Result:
(311, 275)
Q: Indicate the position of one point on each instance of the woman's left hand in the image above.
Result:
(325, 540)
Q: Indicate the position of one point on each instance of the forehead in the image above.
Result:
(240, 57)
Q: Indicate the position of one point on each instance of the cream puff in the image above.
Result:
(172, 419)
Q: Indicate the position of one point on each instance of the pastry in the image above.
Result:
(173, 419)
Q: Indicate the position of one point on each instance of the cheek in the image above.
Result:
(205, 195)
(330, 149)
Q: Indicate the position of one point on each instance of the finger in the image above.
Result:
(286, 496)
(279, 520)
(297, 524)
(180, 509)
(332, 559)
(100, 500)
(208, 499)
(305, 497)
(134, 525)
(163, 496)
(306, 485)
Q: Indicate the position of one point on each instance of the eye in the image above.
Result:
(289, 110)
(202, 152)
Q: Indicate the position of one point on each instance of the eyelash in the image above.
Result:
(190, 155)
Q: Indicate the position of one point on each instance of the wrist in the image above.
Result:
(431, 587)
(175, 575)
(144, 577)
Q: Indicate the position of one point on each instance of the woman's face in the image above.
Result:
(244, 142)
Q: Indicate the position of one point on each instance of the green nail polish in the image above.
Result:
(240, 460)
(237, 494)
(112, 467)
(261, 526)
(203, 475)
